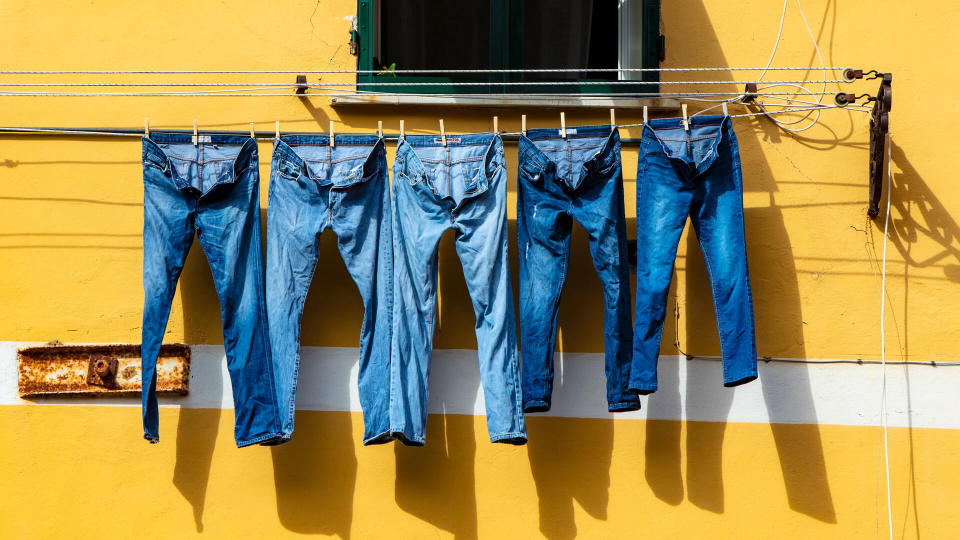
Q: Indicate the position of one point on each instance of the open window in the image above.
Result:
(508, 34)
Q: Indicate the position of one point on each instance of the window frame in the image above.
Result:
(506, 50)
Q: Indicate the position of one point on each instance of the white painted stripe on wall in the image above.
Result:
(842, 394)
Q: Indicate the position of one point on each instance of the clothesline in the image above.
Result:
(406, 71)
(435, 83)
(240, 93)
(266, 136)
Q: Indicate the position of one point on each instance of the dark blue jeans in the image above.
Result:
(314, 187)
(560, 180)
(695, 173)
(211, 189)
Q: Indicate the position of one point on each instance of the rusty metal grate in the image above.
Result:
(98, 369)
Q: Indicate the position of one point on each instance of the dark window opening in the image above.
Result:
(507, 35)
(435, 34)
(571, 34)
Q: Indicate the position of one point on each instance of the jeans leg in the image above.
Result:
(482, 247)
(295, 217)
(663, 202)
(543, 239)
(717, 216)
(603, 218)
(416, 234)
(229, 231)
(363, 228)
(168, 221)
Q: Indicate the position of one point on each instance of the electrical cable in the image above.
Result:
(253, 93)
(432, 83)
(782, 124)
(883, 342)
(137, 132)
(399, 71)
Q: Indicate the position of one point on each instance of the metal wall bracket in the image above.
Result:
(879, 126)
(102, 370)
(98, 369)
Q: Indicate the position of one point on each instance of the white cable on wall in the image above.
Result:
(883, 342)
(784, 124)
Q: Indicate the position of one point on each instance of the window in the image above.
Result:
(508, 34)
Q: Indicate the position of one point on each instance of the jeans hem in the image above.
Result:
(277, 441)
(536, 405)
(380, 438)
(642, 389)
(154, 439)
(518, 438)
(740, 380)
(624, 406)
(259, 438)
(394, 435)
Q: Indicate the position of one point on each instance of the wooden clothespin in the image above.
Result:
(686, 121)
(253, 131)
(496, 126)
(645, 121)
(563, 125)
(725, 112)
(277, 131)
(443, 134)
(380, 128)
(196, 133)
(401, 129)
(332, 141)
(146, 127)
(613, 120)
(523, 124)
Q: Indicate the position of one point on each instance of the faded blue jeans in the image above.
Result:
(463, 187)
(695, 173)
(314, 187)
(561, 180)
(211, 189)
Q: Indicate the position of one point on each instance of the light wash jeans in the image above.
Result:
(462, 187)
(211, 189)
(314, 187)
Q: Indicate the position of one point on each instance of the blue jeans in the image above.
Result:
(314, 187)
(463, 187)
(211, 189)
(562, 180)
(695, 173)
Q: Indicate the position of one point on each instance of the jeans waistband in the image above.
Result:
(322, 140)
(535, 160)
(471, 139)
(682, 147)
(285, 148)
(339, 171)
(706, 120)
(573, 132)
(408, 163)
(182, 138)
(242, 156)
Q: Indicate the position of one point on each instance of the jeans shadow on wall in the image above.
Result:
(197, 428)
(570, 458)
(315, 496)
(779, 333)
(437, 482)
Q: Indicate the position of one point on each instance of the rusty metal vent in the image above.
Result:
(99, 369)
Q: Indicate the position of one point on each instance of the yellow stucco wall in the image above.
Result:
(70, 253)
